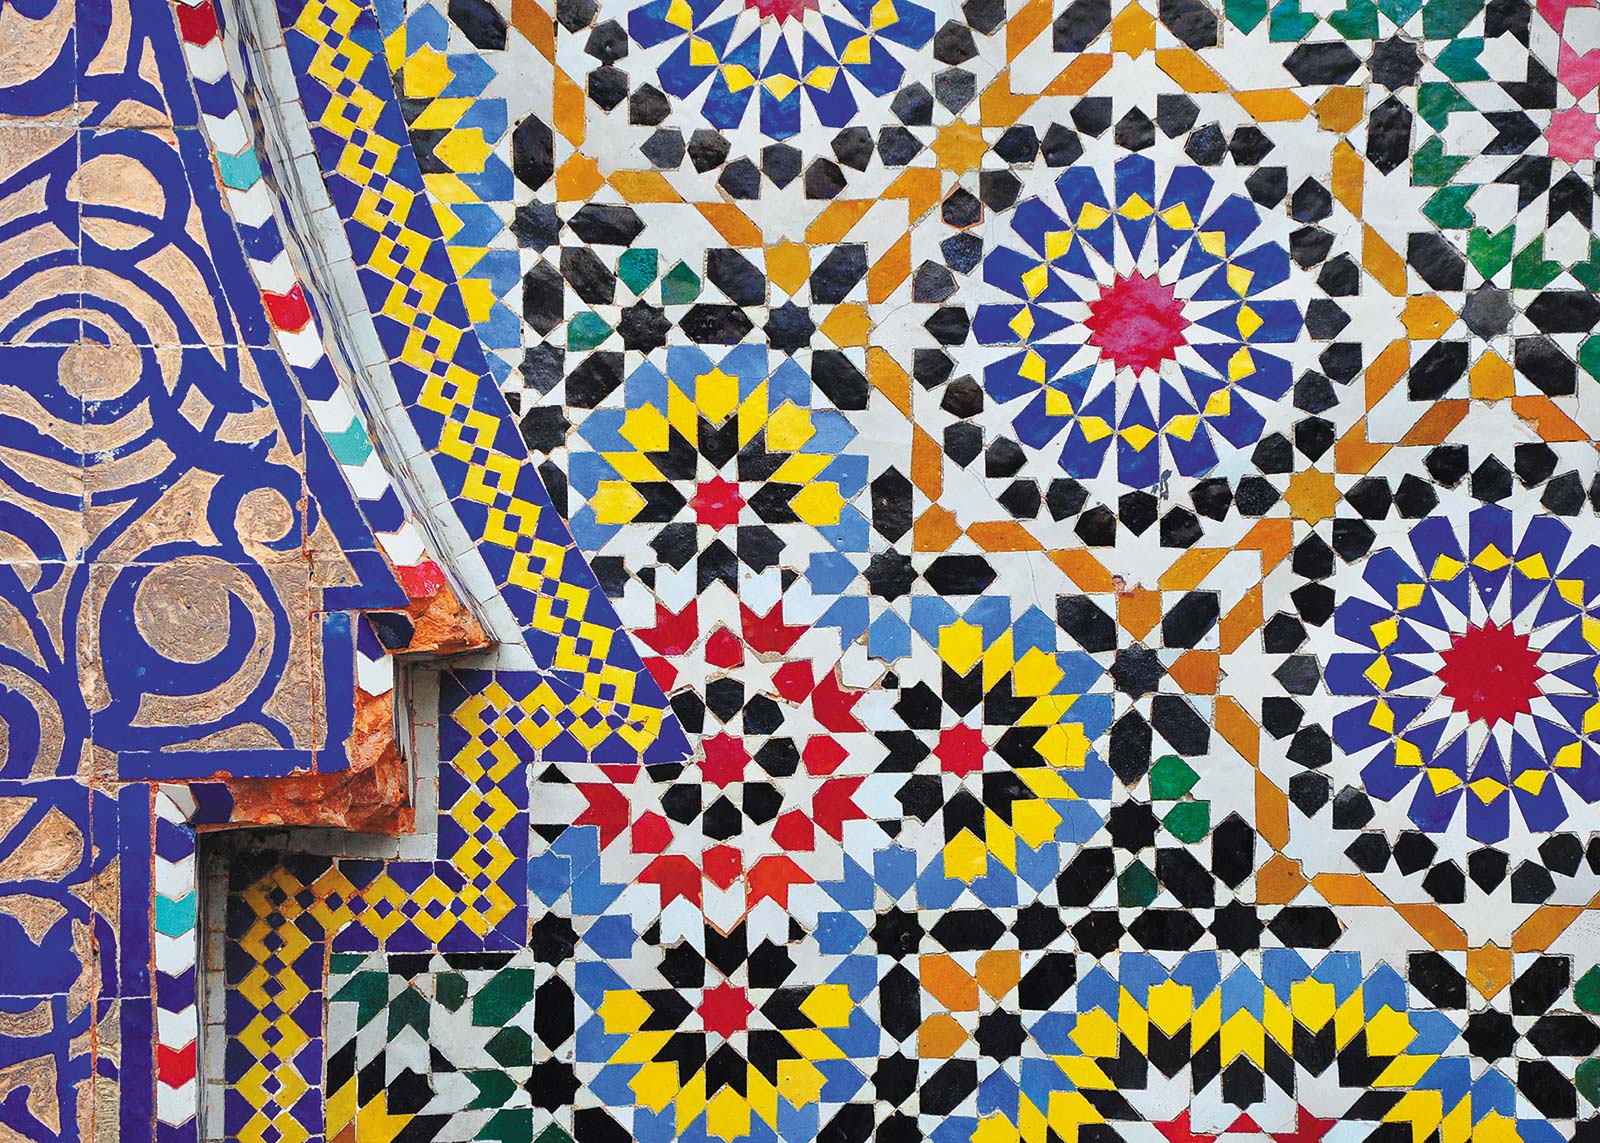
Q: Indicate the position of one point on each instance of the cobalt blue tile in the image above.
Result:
(136, 869)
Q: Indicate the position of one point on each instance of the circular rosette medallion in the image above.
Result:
(780, 55)
(1149, 313)
(1467, 673)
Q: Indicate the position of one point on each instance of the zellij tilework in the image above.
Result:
(799, 571)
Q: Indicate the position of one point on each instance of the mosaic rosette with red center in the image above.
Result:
(1154, 311)
(1475, 678)
(809, 63)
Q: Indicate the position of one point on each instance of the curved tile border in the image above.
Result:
(608, 707)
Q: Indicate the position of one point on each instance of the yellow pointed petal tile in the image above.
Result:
(819, 504)
(616, 502)
(828, 1006)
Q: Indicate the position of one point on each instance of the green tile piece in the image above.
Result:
(512, 1125)
(343, 964)
(1171, 778)
(511, 1048)
(495, 1089)
(1459, 61)
(1189, 822)
(1357, 20)
(1431, 167)
(1586, 993)
(499, 1001)
(1448, 208)
(1399, 11)
(1531, 270)
(1289, 23)
(1436, 101)
(1589, 355)
(409, 1009)
(1245, 14)
(680, 286)
(638, 268)
(1447, 19)
(1136, 887)
(1489, 252)
(451, 990)
(1588, 1077)
(368, 991)
(587, 331)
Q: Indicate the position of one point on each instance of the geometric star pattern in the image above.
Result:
(1025, 571)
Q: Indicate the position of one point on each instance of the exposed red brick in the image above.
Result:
(444, 626)
(372, 796)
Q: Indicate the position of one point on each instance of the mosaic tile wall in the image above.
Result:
(854, 571)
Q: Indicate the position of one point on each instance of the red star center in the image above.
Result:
(1490, 673)
(961, 750)
(1137, 323)
(717, 502)
(725, 1010)
(725, 760)
(782, 9)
